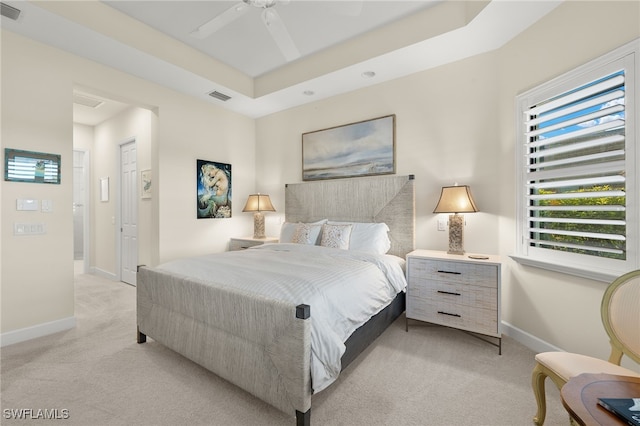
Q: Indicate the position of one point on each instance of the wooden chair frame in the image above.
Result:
(618, 346)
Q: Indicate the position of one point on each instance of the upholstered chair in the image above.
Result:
(620, 312)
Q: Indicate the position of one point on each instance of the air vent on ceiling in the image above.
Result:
(9, 11)
(86, 101)
(218, 95)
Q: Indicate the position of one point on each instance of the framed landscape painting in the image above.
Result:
(364, 148)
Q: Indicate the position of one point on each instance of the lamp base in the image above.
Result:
(258, 225)
(456, 233)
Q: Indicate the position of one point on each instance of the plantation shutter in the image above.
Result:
(575, 174)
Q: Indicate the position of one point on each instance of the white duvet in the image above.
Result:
(344, 289)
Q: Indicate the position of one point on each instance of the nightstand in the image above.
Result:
(245, 243)
(455, 291)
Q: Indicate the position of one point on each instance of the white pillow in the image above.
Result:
(370, 237)
(336, 236)
(289, 228)
(306, 233)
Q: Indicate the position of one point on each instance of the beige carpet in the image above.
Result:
(428, 376)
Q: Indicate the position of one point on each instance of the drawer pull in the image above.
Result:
(449, 292)
(447, 313)
(449, 272)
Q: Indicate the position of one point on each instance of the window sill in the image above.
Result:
(604, 276)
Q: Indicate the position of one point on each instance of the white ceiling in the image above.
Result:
(150, 39)
(246, 45)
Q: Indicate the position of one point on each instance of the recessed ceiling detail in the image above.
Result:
(399, 38)
(263, 38)
(87, 101)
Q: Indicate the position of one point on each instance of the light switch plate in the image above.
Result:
(47, 206)
(26, 204)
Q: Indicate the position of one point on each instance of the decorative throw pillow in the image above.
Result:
(371, 237)
(306, 233)
(336, 236)
(289, 228)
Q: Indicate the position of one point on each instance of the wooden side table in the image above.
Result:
(456, 291)
(245, 243)
(580, 397)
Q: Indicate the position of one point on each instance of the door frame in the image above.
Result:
(86, 210)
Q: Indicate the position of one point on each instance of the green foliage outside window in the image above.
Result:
(568, 240)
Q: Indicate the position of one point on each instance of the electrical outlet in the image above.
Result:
(20, 229)
(442, 224)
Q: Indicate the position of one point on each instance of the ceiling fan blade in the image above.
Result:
(220, 21)
(281, 36)
(348, 8)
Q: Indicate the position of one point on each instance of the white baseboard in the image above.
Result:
(104, 274)
(529, 340)
(40, 330)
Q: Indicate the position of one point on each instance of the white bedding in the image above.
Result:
(344, 289)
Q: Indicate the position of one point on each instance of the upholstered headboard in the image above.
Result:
(389, 199)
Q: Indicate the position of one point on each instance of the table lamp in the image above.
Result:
(258, 203)
(456, 199)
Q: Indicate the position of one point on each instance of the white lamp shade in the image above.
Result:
(258, 203)
(456, 199)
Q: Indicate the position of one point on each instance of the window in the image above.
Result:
(578, 185)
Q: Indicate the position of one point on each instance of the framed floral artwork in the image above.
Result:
(145, 184)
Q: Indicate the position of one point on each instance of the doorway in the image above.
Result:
(80, 211)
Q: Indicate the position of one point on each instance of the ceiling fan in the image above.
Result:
(271, 19)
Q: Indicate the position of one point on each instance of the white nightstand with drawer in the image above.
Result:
(455, 291)
(245, 243)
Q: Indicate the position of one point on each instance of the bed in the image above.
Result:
(262, 342)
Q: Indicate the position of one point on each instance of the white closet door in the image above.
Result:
(128, 213)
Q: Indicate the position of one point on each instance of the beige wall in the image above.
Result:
(37, 271)
(442, 134)
(560, 309)
(456, 123)
(204, 133)
(37, 84)
(83, 137)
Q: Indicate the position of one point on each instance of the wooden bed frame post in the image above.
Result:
(303, 419)
(141, 337)
(303, 312)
